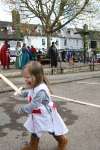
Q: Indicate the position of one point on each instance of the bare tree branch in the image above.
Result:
(53, 14)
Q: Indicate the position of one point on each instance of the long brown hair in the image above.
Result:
(36, 69)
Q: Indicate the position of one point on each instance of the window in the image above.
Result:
(57, 43)
(68, 31)
(43, 41)
(65, 42)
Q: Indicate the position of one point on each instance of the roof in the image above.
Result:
(36, 30)
(5, 36)
(5, 23)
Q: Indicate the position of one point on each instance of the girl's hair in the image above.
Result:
(36, 69)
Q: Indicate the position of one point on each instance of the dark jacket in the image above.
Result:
(53, 55)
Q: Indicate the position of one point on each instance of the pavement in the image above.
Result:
(12, 135)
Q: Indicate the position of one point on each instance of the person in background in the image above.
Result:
(34, 53)
(5, 55)
(25, 55)
(43, 115)
(29, 52)
(18, 55)
(53, 55)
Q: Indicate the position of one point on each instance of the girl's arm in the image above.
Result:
(40, 98)
(22, 95)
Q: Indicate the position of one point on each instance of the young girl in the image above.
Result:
(42, 113)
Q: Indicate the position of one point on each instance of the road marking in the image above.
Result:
(91, 83)
(76, 101)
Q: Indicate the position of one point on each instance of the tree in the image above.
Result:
(16, 22)
(53, 14)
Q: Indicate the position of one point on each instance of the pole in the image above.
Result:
(11, 84)
(76, 101)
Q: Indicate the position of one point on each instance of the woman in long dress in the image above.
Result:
(25, 56)
(18, 55)
(5, 55)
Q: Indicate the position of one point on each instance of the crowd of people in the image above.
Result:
(24, 54)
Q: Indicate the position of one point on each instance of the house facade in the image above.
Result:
(65, 39)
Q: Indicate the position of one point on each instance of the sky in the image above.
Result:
(5, 15)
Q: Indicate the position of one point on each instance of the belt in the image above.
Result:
(36, 111)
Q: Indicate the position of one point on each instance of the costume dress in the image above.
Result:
(5, 56)
(18, 57)
(25, 57)
(43, 116)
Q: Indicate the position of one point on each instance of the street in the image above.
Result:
(83, 121)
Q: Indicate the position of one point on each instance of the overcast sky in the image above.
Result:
(5, 15)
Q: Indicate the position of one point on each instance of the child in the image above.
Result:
(43, 116)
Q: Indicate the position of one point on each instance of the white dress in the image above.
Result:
(46, 121)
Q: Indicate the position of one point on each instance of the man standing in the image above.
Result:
(53, 55)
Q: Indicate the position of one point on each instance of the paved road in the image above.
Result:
(54, 79)
(83, 121)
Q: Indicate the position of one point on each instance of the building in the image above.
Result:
(65, 39)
